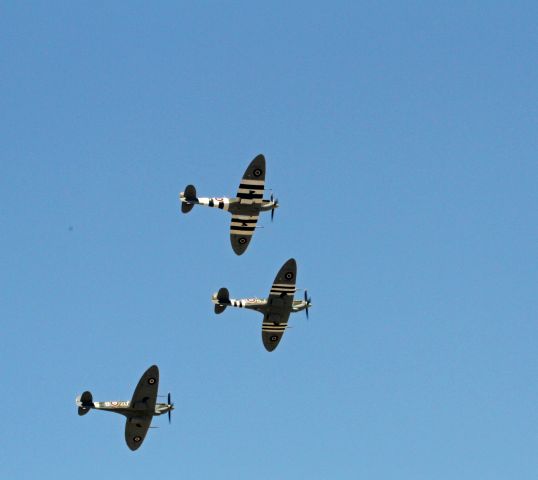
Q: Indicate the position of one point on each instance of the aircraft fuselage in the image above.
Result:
(236, 206)
(261, 305)
(125, 408)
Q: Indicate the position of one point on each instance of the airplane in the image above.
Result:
(245, 208)
(139, 411)
(276, 309)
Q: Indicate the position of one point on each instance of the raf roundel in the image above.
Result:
(151, 381)
(257, 172)
(137, 438)
(242, 240)
(289, 275)
(273, 338)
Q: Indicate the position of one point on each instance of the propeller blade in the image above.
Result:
(170, 411)
(275, 204)
(307, 301)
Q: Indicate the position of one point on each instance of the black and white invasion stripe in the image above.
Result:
(251, 189)
(279, 288)
(270, 327)
(243, 224)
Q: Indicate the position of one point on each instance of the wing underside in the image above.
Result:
(252, 184)
(280, 303)
(241, 230)
(135, 430)
(143, 401)
(250, 194)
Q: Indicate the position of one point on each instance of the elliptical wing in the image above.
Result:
(143, 402)
(280, 303)
(250, 192)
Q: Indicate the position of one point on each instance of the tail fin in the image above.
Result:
(188, 195)
(223, 299)
(84, 403)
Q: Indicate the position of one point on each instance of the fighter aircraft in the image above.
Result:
(139, 411)
(276, 309)
(245, 208)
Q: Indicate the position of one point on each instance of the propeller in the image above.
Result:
(308, 302)
(171, 405)
(274, 206)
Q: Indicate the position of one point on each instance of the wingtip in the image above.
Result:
(290, 263)
(153, 368)
(238, 248)
(134, 447)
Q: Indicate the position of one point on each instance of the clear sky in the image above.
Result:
(401, 141)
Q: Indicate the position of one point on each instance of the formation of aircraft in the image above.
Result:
(276, 308)
(245, 207)
(139, 411)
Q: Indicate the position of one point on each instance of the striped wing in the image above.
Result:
(241, 231)
(250, 192)
(280, 302)
(253, 182)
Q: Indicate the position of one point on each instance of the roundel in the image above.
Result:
(288, 275)
(137, 438)
(114, 404)
(257, 172)
(273, 338)
(151, 380)
(242, 240)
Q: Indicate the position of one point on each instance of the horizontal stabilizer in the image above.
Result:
(84, 403)
(186, 207)
(223, 299)
(223, 295)
(83, 410)
(188, 195)
(190, 192)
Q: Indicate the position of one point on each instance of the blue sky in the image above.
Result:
(401, 140)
